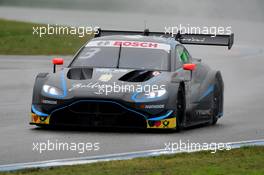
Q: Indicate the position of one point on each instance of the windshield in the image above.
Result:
(124, 54)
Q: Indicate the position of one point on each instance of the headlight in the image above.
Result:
(150, 95)
(52, 90)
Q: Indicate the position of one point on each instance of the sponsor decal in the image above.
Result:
(81, 86)
(52, 102)
(40, 119)
(105, 77)
(193, 39)
(166, 123)
(135, 44)
(154, 106)
(132, 44)
(207, 112)
(107, 70)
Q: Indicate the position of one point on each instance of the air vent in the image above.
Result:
(138, 76)
(80, 73)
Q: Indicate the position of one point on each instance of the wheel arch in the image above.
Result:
(39, 81)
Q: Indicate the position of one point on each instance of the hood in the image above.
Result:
(91, 82)
(105, 75)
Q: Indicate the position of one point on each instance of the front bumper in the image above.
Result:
(103, 113)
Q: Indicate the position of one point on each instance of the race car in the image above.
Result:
(132, 79)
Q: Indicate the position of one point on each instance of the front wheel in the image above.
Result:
(181, 107)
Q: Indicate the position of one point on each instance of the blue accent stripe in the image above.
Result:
(134, 96)
(209, 90)
(38, 112)
(162, 117)
(63, 84)
(135, 99)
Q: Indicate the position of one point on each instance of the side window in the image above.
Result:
(182, 54)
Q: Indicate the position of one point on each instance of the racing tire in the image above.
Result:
(181, 108)
(217, 99)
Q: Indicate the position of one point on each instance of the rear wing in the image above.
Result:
(206, 39)
(146, 32)
(195, 39)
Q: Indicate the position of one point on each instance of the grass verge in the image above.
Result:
(248, 160)
(16, 38)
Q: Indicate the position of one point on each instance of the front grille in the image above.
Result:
(98, 114)
(97, 108)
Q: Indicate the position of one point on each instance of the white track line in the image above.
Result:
(109, 157)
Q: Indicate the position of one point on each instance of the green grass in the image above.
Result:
(16, 38)
(248, 160)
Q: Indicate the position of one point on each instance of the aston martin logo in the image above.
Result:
(105, 77)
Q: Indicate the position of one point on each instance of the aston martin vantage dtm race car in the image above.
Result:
(132, 79)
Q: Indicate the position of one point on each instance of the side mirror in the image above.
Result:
(189, 66)
(56, 61)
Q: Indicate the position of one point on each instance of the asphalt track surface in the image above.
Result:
(242, 69)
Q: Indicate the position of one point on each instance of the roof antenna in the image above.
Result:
(146, 31)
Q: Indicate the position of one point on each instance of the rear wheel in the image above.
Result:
(181, 106)
(216, 104)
